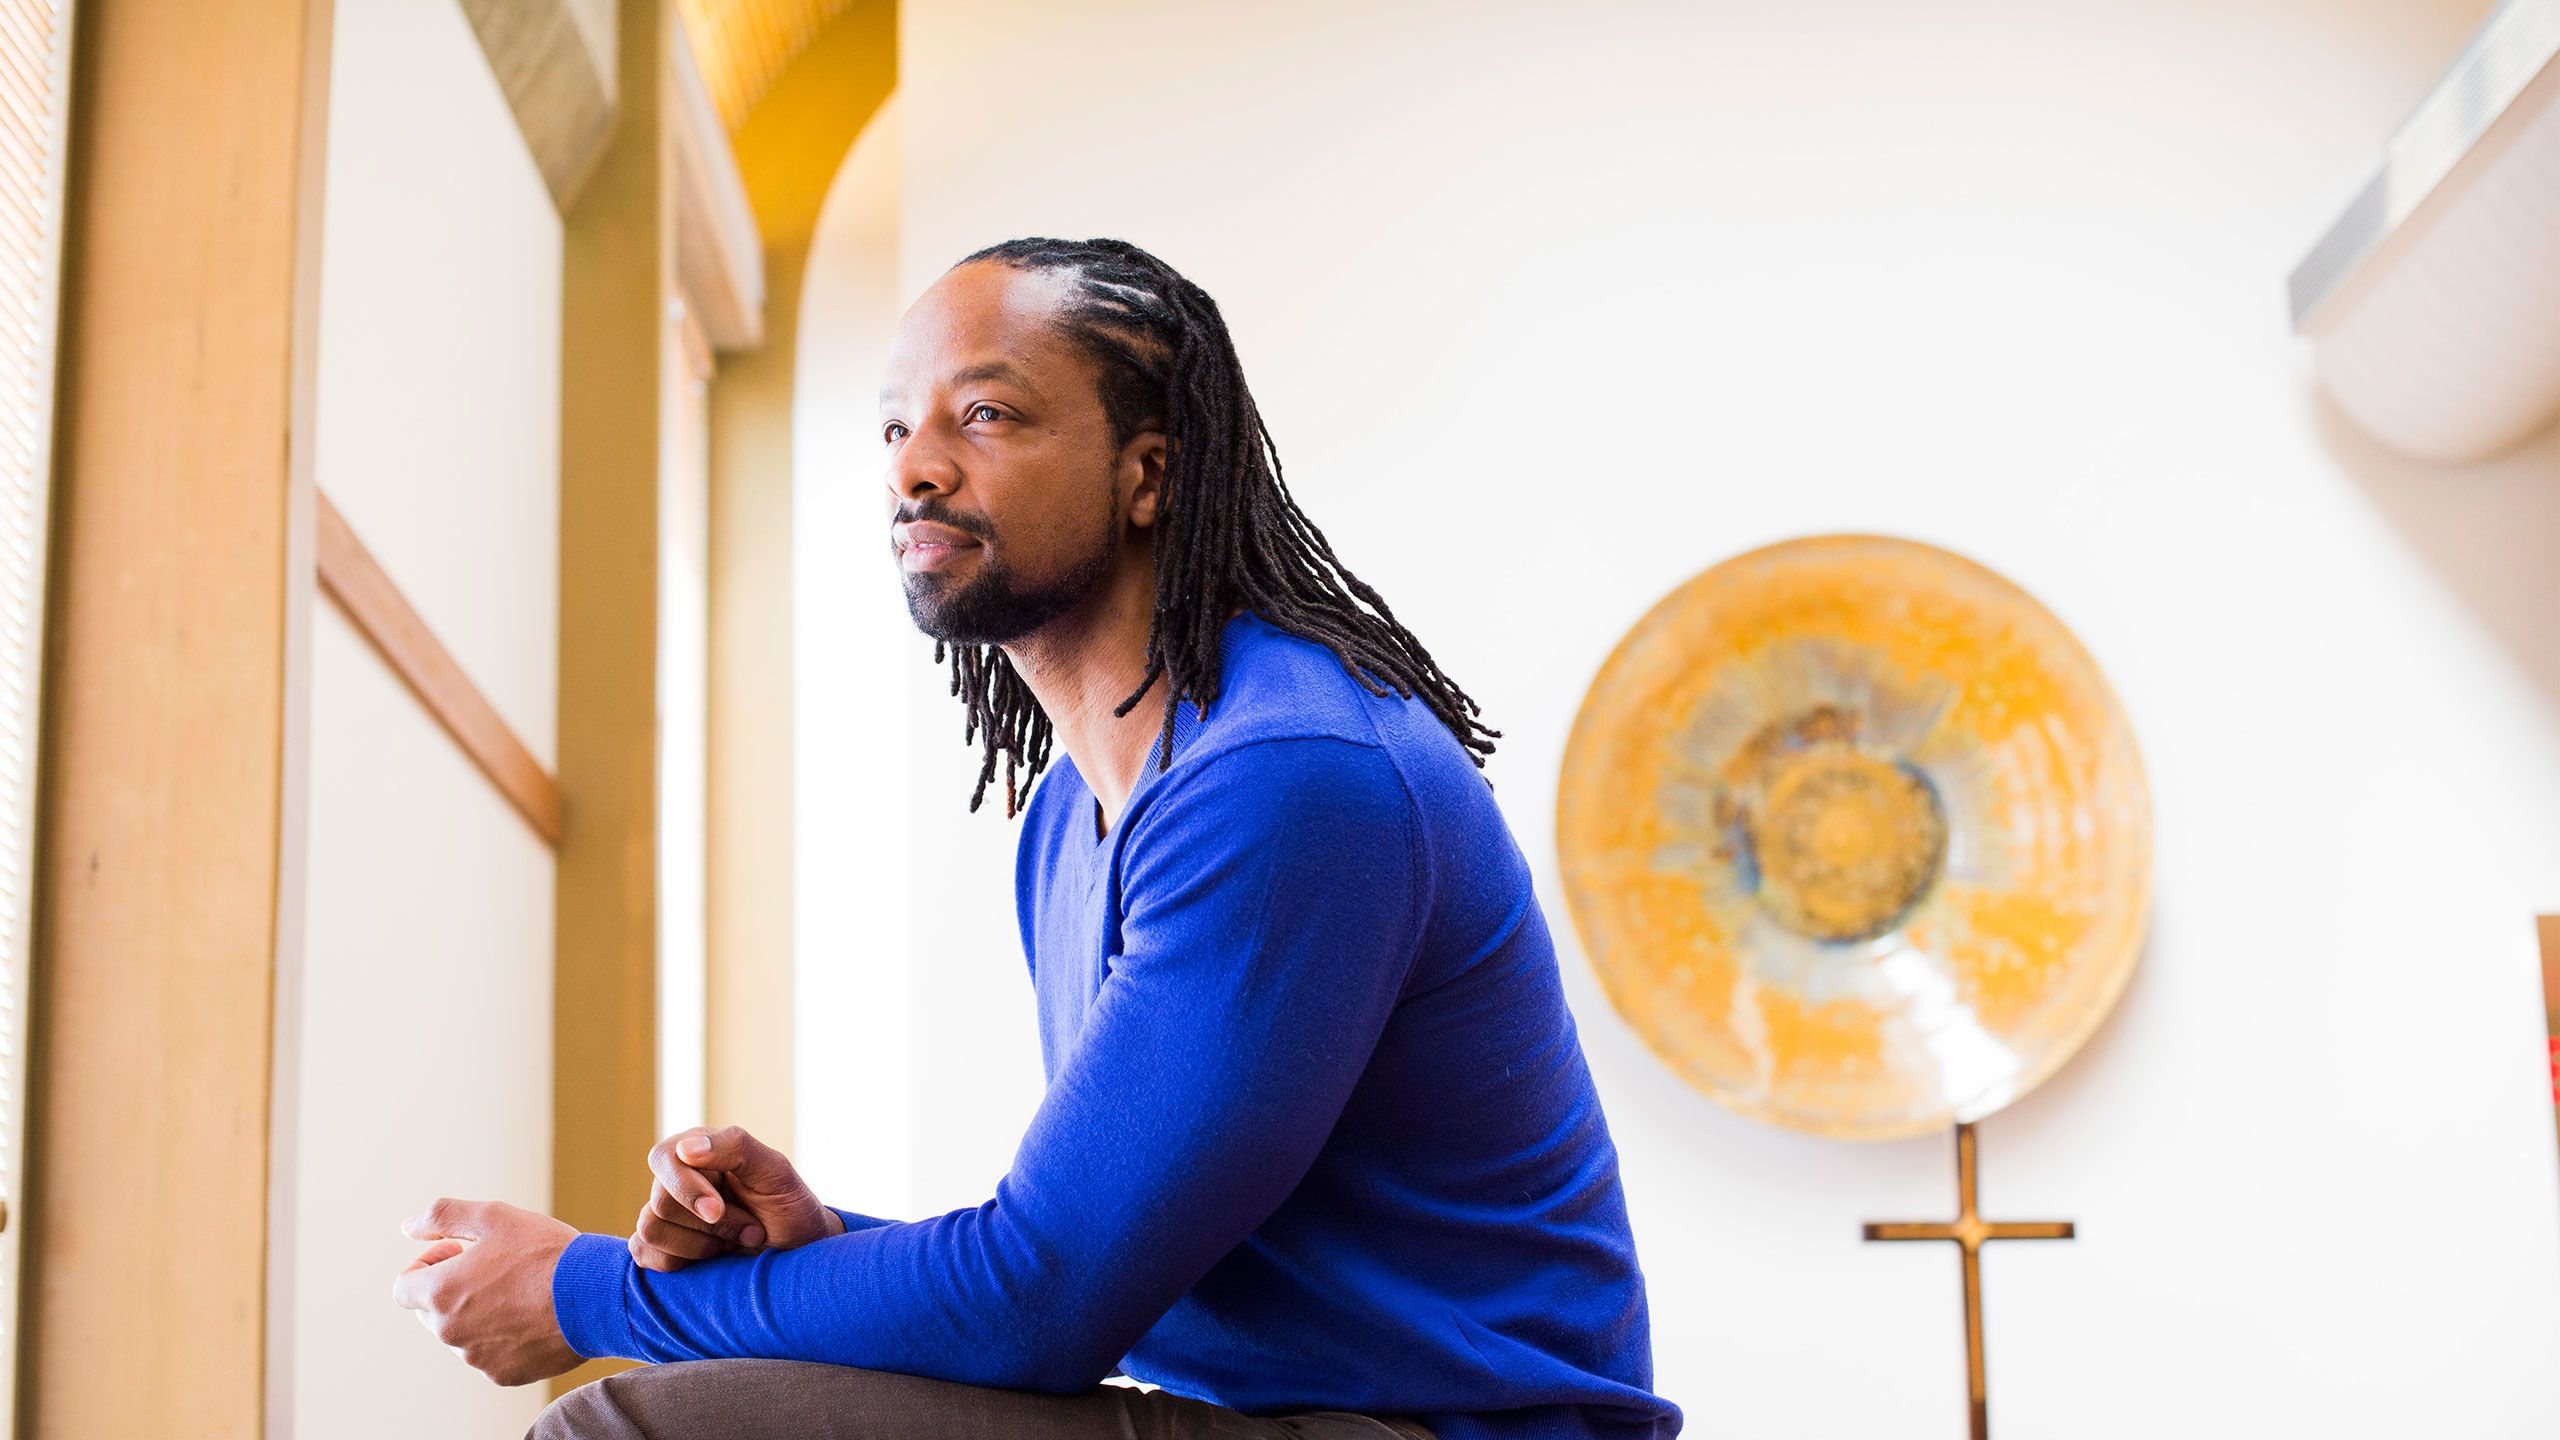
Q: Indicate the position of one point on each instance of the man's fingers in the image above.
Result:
(650, 1257)
(412, 1289)
(732, 1151)
(435, 1254)
(651, 1248)
(689, 1186)
(677, 1239)
(733, 1223)
(688, 1244)
(449, 1218)
(665, 1207)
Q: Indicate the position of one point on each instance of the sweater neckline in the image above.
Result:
(1186, 723)
(1091, 838)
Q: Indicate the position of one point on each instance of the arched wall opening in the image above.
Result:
(790, 148)
(852, 671)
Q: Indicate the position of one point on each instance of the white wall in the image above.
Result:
(1590, 297)
(424, 1060)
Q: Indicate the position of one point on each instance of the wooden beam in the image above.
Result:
(168, 880)
(364, 590)
(719, 259)
(554, 60)
(618, 274)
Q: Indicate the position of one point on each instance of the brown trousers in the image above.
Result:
(794, 1400)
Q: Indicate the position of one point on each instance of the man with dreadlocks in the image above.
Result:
(1319, 1154)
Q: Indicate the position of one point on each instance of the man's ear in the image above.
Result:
(1141, 477)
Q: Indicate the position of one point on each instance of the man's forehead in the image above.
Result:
(998, 369)
(978, 323)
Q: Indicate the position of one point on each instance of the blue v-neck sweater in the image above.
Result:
(1318, 1133)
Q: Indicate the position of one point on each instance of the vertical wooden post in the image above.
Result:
(169, 816)
(618, 274)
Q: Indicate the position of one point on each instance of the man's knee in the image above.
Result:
(621, 1406)
(574, 1416)
(738, 1398)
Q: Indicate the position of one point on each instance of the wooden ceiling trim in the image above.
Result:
(719, 255)
(554, 60)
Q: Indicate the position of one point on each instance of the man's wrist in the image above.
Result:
(588, 1285)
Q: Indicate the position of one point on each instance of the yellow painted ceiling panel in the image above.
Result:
(744, 45)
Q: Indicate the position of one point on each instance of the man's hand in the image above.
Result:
(484, 1287)
(723, 1190)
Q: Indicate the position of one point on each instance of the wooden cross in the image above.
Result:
(1969, 1231)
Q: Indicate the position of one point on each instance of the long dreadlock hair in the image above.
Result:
(1227, 532)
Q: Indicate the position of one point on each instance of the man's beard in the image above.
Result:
(992, 608)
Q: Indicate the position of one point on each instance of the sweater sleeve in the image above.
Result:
(856, 1220)
(1271, 913)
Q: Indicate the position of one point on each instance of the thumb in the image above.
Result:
(448, 1218)
(753, 1164)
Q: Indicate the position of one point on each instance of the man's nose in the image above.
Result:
(921, 465)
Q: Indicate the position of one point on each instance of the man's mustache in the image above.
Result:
(932, 513)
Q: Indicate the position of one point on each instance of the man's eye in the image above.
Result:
(990, 412)
(890, 432)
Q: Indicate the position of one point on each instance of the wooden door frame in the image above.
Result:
(170, 812)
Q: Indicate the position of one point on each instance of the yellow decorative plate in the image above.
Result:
(1857, 837)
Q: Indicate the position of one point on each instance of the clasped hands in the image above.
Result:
(483, 1286)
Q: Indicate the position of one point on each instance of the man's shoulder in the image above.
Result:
(1289, 717)
(1321, 817)
(1274, 776)
(1275, 684)
(1283, 684)
(1294, 729)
